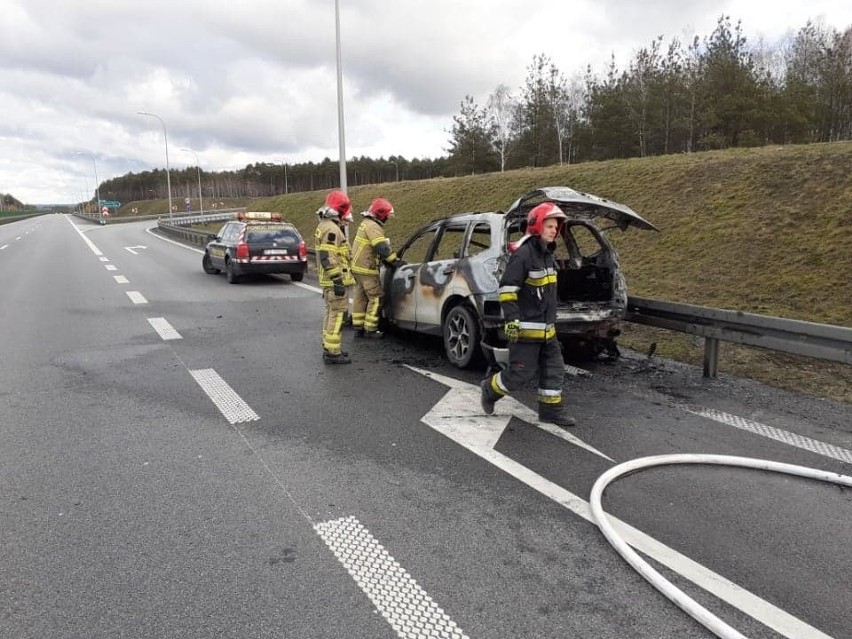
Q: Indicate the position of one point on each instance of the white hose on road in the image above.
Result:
(685, 603)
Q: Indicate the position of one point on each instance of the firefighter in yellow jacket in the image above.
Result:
(333, 268)
(370, 249)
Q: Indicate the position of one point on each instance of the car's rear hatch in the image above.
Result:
(577, 204)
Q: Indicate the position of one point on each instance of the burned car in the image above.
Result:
(450, 270)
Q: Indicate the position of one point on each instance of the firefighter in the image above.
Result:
(333, 268)
(528, 299)
(370, 249)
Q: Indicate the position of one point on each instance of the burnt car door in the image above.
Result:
(437, 277)
(401, 282)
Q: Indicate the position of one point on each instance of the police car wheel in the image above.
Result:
(232, 277)
(207, 265)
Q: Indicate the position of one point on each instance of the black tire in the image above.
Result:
(207, 265)
(297, 277)
(232, 277)
(461, 337)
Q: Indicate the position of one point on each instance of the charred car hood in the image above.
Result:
(577, 204)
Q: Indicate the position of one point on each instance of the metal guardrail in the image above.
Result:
(821, 341)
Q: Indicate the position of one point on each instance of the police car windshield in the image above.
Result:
(278, 233)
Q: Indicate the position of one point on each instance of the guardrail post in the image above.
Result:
(711, 356)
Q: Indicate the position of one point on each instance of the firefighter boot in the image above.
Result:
(335, 358)
(488, 397)
(555, 414)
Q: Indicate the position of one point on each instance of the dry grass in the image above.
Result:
(765, 230)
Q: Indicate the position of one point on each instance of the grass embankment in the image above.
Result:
(766, 230)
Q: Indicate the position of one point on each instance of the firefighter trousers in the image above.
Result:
(366, 302)
(526, 359)
(332, 321)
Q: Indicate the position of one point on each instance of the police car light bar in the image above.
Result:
(259, 215)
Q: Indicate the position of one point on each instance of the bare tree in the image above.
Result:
(500, 110)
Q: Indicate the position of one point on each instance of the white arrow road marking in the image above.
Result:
(132, 249)
(456, 417)
(460, 408)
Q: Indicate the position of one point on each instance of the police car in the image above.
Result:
(256, 242)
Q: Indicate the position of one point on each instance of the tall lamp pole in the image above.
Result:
(97, 183)
(340, 133)
(168, 171)
(198, 166)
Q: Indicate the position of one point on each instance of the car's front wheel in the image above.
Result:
(461, 337)
(230, 274)
(207, 265)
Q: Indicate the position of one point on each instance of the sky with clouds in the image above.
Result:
(247, 81)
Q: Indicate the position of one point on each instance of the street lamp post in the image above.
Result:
(198, 166)
(97, 183)
(340, 133)
(168, 171)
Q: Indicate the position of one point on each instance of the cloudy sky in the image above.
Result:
(244, 81)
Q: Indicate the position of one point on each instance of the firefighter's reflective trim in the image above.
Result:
(508, 293)
(541, 277)
(548, 396)
(331, 340)
(497, 385)
(537, 331)
(371, 319)
(358, 320)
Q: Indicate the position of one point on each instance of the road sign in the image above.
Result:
(105, 211)
(112, 204)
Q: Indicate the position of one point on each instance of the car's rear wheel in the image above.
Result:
(297, 277)
(207, 265)
(232, 277)
(461, 337)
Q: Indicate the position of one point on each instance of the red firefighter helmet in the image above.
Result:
(381, 209)
(542, 212)
(339, 201)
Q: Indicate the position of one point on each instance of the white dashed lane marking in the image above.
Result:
(231, 405)
(120, 279)
(136, 297)
(403, 603)
(111, 267)
(163, 328)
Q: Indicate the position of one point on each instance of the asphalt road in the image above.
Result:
(176, 461)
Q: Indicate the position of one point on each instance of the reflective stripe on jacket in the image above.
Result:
(528, 291)
(370, 247)
(333, 254)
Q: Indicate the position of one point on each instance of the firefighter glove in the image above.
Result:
(512, 330)
(339, 289)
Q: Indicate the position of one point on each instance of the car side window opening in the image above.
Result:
(451, 243)
(418, 250)
(480, 239)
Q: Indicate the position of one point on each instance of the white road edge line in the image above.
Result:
(231, 405)
(481, 435)
(89, 242)
(163, 328)
(408, 608)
